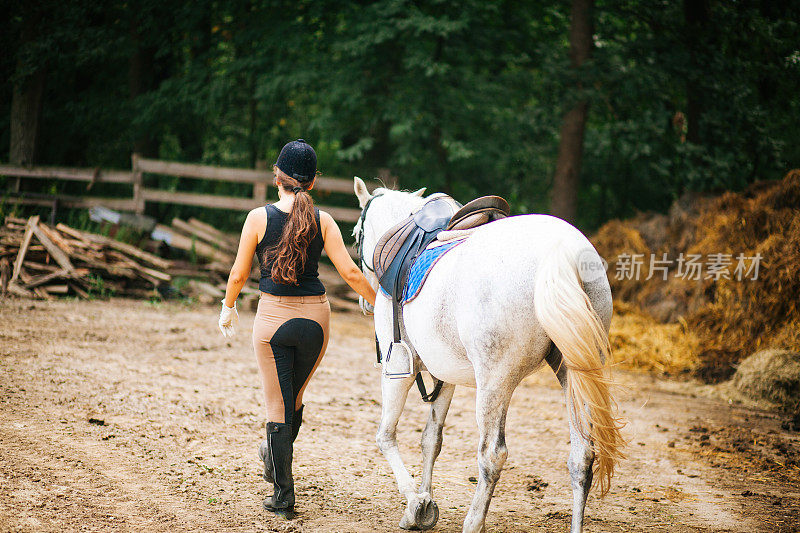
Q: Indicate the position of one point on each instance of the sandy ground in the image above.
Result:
(131, 416)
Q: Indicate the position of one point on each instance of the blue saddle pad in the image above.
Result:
(422, 267)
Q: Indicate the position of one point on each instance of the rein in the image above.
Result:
(360, 245)
(427, 398)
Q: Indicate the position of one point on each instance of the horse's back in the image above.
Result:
(525, 235)
(501, 258)
(478, 299)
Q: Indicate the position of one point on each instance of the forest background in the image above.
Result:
(591, 110)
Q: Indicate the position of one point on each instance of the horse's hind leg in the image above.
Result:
(581, 455)
(491, 409)
(432, 436)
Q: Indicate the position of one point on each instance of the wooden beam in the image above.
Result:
(209, 237)
(79, 290)
(23, 247)
(138, 253)
(202, 200)
(187, 170)
(120, 204)
(342, 185)
(239, 175)
(138, 199)
(259, 178)
(56, 289)
(260, 193)
(147, 273)
(68, 173)
(54, 251)
(5, 275)
(24, 277)
(16, 290)
(45, 278)
(57, 238)
(200, 248)
(342, 214)
(232, 240)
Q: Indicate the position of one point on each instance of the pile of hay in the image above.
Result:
(730, 318)
(638, 342)
(771, 375)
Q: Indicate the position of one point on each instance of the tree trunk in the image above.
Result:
(252, 134)
(564, 195)
(140, 81)
(26, 109)
(26, 102)
(696, 15)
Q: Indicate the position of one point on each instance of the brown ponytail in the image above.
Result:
(291, 252)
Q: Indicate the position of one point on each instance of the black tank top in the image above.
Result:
(308, 283)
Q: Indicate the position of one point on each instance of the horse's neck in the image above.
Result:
(400, 206)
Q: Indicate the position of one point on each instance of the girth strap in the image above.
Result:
(434, 393)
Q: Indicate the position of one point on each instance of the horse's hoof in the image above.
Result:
(421, 513)
(427, 514)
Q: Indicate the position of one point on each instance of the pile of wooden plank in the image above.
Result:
(39, 260)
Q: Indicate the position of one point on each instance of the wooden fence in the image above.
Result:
(142, 194)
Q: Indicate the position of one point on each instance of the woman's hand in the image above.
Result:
(366, 307)
(227, 316)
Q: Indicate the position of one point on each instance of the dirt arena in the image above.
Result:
(132, 416)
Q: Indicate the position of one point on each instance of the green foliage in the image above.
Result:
(98, 288)
(462, 96)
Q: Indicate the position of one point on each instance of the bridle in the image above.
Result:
(360, 244)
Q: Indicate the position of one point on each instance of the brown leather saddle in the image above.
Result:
(400, 246)
(478, 212)
(398, 249)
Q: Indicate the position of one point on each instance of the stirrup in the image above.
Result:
(399, 361)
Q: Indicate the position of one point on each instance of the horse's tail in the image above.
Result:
(567, 316)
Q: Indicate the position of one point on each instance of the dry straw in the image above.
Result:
(724, 320)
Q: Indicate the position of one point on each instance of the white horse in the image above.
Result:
(518, 292)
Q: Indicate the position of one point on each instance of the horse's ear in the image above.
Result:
(420, 192)
(361, 191)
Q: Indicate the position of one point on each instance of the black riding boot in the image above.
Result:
(279, 441)
(297, 421)
(263, 449)
(266, 457)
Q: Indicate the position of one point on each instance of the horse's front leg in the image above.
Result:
(394, 393)
(421, 511)
(491, 408)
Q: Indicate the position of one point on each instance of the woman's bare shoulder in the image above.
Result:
(258, 213)
(327, 222)
(256, 222)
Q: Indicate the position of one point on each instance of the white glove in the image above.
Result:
(227, 316)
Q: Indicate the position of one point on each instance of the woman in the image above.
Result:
(290, 332)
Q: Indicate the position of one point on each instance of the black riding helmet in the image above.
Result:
(298, 160)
